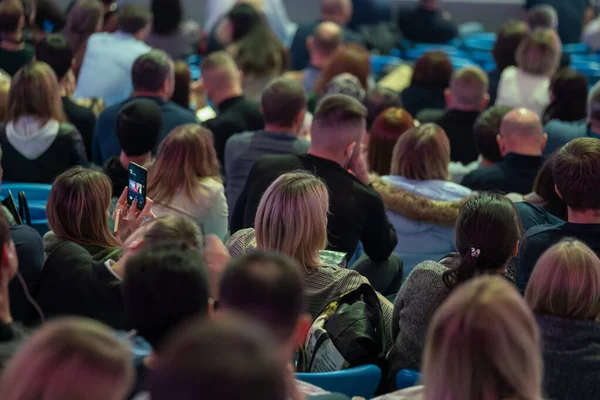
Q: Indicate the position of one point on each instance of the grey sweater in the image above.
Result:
(571, 350)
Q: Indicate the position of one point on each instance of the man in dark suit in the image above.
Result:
(425, 23)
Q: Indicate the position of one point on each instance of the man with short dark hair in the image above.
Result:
(577, 181)
(322, 44)
(425, 23)
(14, 52)
(106, 68)
(283, 106)
(357, 212)
(153, 79)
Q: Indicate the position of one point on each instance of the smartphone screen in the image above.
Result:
(137, 185)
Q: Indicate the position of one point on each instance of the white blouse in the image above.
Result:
(518, 88)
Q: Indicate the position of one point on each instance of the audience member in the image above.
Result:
(431, 77)
(170, 32)
(4, 89)
(571, 15)
(153, 79)
(164, 286)
(49, 16)
(283, 107)
(389, 126)
(591, 34)
(112, 55)
(542, 16)
(426, 23)
(14, 52)
(508, 39)
(37, 143)
(353, 59)
(138, 125)
(292, 219)
(338, 130)
(337, 11)
(576, 181)
(379, 99)
(344, 83)
(85, 18)
(55, 51)
(183, 85)
(466, 98)
(564, 294)
(185, 180)
(521, 141)
(483, 341)
(528, 84)
(420, 166)
(72, 358)
(220, 359)
(223, 85)
(568, 97)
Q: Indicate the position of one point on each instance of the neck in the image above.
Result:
(486, 163)
(124, 159)
(324, 154)
(318, 61)
(524, 151)
(219, 98)
(144, 93)
(584, 216)
(280, 129)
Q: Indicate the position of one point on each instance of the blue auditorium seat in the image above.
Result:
(576, 48)
(34, 192)
(480, 42)
(406, 378)
(380, 64)
(360, 381)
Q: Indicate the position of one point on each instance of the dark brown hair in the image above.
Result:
(509, 38)
(570, 90)
(133, 18)
(282, 101)
(544, 186)
(384, 133)
(432, 69)
(183, 79)
(11, 12)
(351, 58)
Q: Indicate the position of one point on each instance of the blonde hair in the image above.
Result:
(71, 358)
(77, 208)
(566, 282)
(185, 156)
(539, 53)
(483, 343)
(422, 153)
(469, 86)
(4, 89)
(292, 218)
(35, 92)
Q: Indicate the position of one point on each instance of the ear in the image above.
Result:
(350, 149)
(557, 192)
(544, 141)
(485, 102)
(301, 332)
(516, 249)
(501, 144)
(448, 97)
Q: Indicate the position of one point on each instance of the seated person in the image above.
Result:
(14, 52)
(389, 126)
(377, 100)
(569, 92)
(138, 125)
(37, 143)
(572, 16)
(521, 141)
(425, 23)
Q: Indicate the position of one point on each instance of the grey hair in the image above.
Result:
(543, 16)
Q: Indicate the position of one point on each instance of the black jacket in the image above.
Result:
(420, 25)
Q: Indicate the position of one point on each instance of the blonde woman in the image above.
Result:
(36, 142)
(564, 294)
(292, 219)
(69, 359)
(420, 166)
(483, 343)
(185, 180)
(85, 18)
(77, 212)
(528, 84)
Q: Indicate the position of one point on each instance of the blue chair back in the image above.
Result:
(39, 220)
(420, 49)
(590, 69)
(35, 192)
(576, 48)
(406, 378)
(360, 381)
(480, 41)
(380, 63)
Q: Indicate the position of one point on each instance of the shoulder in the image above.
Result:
(430, 115)
(541, 232)
(212, 184)
(68, 254)
(25, 234)
(240, 138)
(181, 112)
(66, 130)
(110, 112)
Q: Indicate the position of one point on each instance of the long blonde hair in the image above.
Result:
(72, 358)
(185, 156)
(566, 282)
(35, 92)
(292, 218)
(483, 343)
(77, 208)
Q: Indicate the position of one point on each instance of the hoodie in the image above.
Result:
(30, 137)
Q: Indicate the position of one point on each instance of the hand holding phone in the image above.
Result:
(138, 177)
(129, 218)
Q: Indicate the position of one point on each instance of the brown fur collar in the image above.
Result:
(415, 207)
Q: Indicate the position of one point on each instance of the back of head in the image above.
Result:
(485, 131)
(351, 58)
(84, 19)
(521, 132)
(487, 235)
(384, 134)
(170, 229)
(219, 70)
(244, 18)
(77, 206)
(569, 90)
(422, 153)
(379, 99)
(133, 18)
(11, 16)
(542, 16)
(327, 38)
(576, 175)
(347, 84)
(539, 53)
(469, 88)
(566, 282)
(56, 52)
(292, 218)
(150, 71)
(71, 358)
(219, 359)
(183, 81)
(483, 342)
(138, 125)
(283, 101)
(267, 287)
(339, 11)
(168, 15)
(35, 92)
(164, 286)
(509, 37)
(432, 69)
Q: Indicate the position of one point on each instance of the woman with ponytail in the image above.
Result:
(487, 238)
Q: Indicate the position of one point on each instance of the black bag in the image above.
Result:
(17, 216)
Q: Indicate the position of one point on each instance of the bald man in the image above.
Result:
(521, 141)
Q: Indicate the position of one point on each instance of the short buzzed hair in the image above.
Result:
(338, 109)
(11, 12)
(326, 43)
(151, 70)
(282, 101)
(133, 18)
(268, 287)
(469, 85)
(220, 65)
(485, 130)
(542, 16)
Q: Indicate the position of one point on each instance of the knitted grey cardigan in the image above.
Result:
(571, 350)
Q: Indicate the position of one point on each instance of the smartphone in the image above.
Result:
(137, 185)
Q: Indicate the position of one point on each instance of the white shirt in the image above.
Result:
(518, 88)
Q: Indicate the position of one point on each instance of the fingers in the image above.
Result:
(123, 197)
(146, 212)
